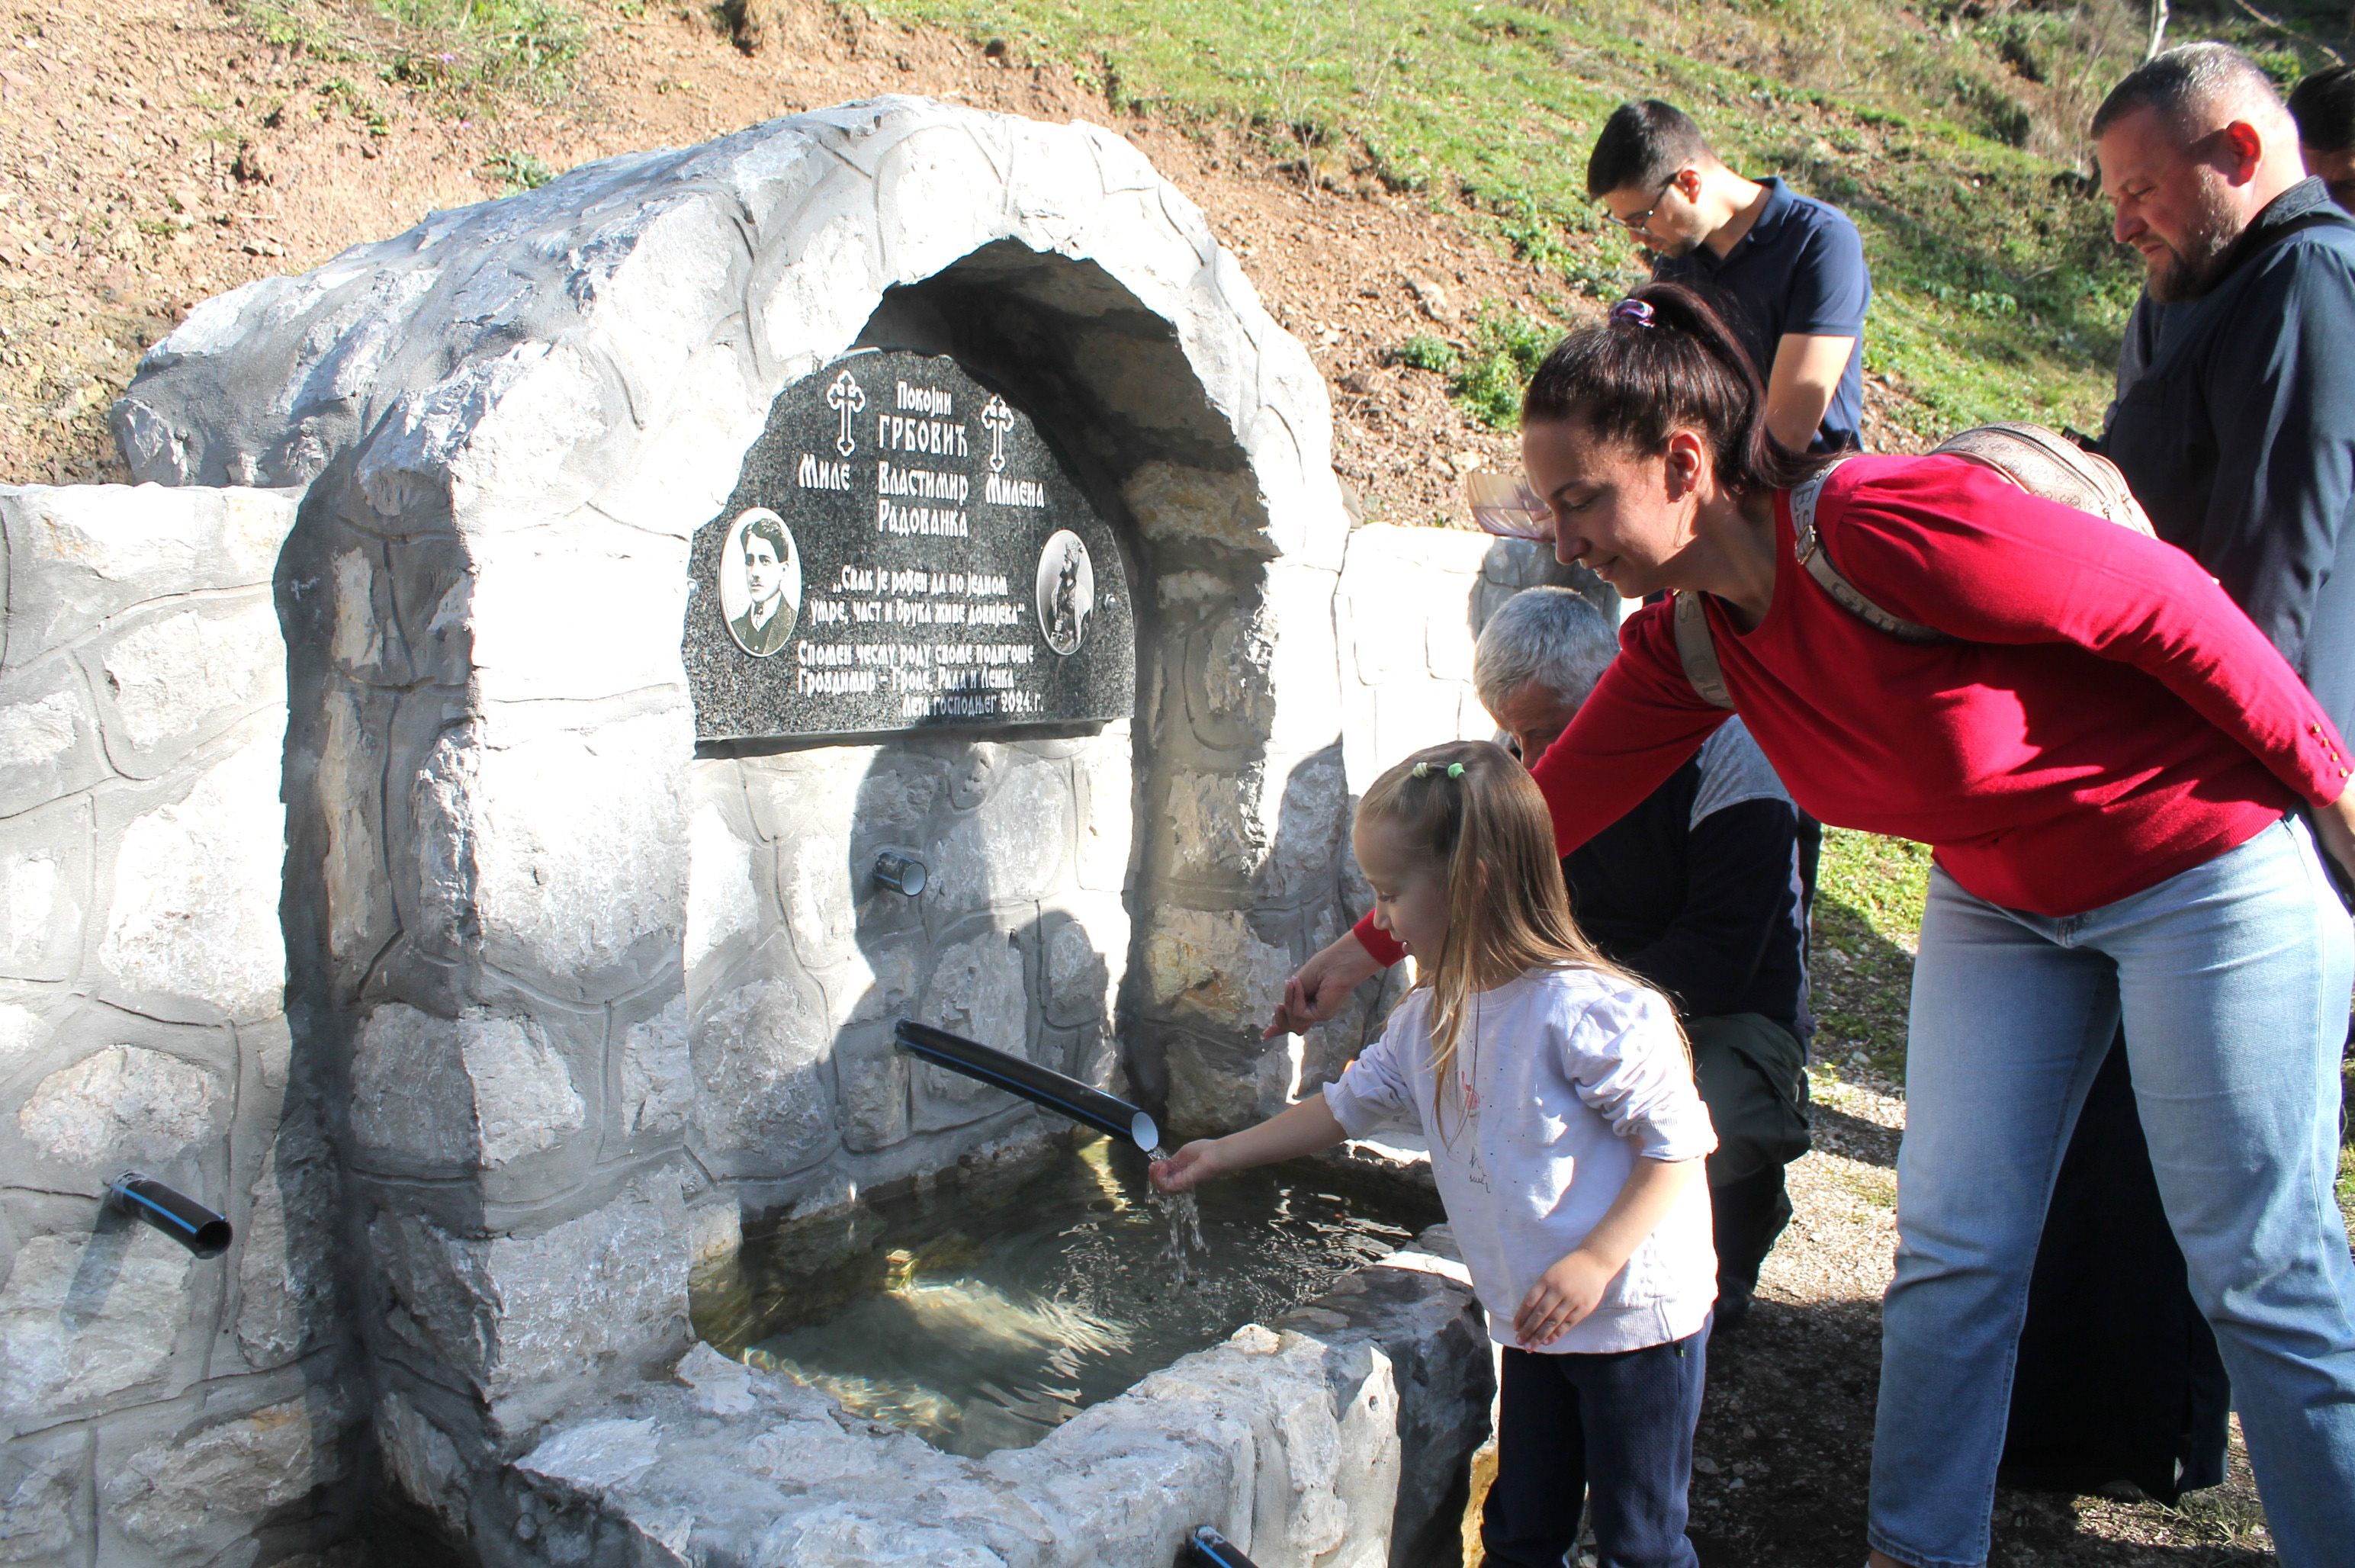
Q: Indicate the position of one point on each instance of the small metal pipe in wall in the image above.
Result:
(177, 1215)
(901, 873)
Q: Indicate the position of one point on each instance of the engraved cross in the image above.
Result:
(999, 418)
(845, 397)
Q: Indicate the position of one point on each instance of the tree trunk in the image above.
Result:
(2158, 29)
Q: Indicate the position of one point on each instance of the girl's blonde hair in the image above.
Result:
(1469, 807)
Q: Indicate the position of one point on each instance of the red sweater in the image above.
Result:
(2105, 718)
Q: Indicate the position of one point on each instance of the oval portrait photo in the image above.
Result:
(760, 583)
(1067, 590)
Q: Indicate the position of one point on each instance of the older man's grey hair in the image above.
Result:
(1550, 635)
(2197, 89)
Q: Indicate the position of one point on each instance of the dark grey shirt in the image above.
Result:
(2239, 434)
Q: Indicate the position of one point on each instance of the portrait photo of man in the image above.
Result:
(761, 583)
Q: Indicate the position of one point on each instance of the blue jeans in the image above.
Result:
(1617, 1426)
(2233, 978)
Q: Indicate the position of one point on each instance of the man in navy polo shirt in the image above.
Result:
(1786, 270)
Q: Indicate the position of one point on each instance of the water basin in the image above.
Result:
(982, 1317)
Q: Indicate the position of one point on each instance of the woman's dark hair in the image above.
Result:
(1665, 360)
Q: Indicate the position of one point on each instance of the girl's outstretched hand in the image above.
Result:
(1562, 1296)
(1188, 1168)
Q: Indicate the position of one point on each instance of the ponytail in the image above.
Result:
(1665, 360)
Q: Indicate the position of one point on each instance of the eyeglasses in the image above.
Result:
(1634, 222)
(1504, 505)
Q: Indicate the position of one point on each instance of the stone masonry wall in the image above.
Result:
(156, 1409)
(501, 845)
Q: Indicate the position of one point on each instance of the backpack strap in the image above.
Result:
(1808, 547)
(1697, 648)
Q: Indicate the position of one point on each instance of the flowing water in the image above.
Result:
(982, 1317)
(1185, 1212)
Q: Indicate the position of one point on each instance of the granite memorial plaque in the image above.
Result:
(903, 550)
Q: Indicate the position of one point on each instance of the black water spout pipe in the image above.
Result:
(177, 1215)
(1206, 1548)
(1040, 1085)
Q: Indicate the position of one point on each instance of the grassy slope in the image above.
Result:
(1999, 293)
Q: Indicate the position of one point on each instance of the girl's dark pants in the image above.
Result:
(1619, 1426)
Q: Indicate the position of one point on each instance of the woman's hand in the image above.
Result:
(1323, 984)
(1562, 1296)
(2334, 825)
(1189, 1167)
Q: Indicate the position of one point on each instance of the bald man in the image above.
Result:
(2238, 432)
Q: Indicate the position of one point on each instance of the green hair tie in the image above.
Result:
(1455, 770)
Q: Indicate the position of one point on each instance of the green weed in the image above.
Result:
(1424, 352)
(1506, 352)
(518, 171)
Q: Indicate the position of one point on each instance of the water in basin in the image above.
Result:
(983, 1317)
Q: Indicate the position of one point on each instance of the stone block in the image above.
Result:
(79, 554)
(870, 1075)
(1227, 681)
(173, 677)
(1208, 969)
(49, 736)
(124, 1105)
(423, 1461)
(1312, 823)
(348, 778)
(1086, 950)
(763, 1103)
(43, 1499)
(364, 616)
(45, 890)
(287, 1268)
(528, 1320)
(480, 1090)
(194, 913)
(563, 848)
(23, 1033)
(721, 902)
(590, 611)
(977, 989)
(1013, 844)
(1218, 1086)
(815, 885)
(657, 1073)
(1189, 507)
(195, 1498)
(86, 1316)
(1214, 826)
(1107, 770)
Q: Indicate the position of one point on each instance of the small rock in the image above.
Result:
(1705, 1464)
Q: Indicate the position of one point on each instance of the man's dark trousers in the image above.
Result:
(1620, 1423)
(1751, 1074)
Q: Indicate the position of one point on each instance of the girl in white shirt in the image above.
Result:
(1567, 1139)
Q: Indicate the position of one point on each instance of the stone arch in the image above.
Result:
(508, 421)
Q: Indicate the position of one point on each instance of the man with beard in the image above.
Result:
(1787, 271)
(2239, 435)
(2235, 427)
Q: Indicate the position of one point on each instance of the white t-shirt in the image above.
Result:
(1573, 1076)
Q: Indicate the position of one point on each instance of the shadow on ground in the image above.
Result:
(1784, 1459)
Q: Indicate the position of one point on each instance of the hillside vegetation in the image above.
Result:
(1950, 131)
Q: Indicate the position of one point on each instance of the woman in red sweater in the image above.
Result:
(2107, 759)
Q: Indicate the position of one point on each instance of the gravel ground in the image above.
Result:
(1785, 1448)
